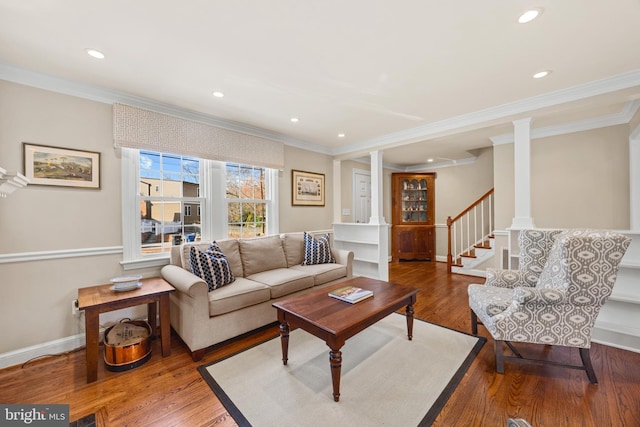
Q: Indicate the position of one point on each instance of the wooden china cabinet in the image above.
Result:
(413, 232)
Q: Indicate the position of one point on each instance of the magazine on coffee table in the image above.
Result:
(351, 294)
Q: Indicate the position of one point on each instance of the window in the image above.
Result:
(167, 197)
(246, 200)
(169, 187)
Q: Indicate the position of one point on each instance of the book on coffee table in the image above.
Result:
(351, 294)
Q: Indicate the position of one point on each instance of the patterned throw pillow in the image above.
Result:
(214, 249)
(317, 251)
(212, 267)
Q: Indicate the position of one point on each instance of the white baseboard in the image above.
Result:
(18, 357)
(616, 339)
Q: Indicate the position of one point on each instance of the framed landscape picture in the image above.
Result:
(64, 167)
(307, 188)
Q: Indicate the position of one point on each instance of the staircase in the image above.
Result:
(470, 237)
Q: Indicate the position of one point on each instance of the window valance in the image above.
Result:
(143, 129)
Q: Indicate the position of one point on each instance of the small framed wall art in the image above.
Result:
(63, 167)
(307, 188)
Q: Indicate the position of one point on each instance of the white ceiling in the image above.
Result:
(443, 76)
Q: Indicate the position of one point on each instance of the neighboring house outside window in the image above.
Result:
(165, 212)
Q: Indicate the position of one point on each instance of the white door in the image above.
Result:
(361, 196)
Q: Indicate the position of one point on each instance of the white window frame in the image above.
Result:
(212, 194)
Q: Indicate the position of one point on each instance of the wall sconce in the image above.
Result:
(10, 182)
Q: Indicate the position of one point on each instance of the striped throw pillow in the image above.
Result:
(211, 267)
(317, 251)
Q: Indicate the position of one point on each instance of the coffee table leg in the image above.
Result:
(410, 321)
(335, 359)
(284, 341)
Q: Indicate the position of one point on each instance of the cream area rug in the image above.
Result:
(386, 379)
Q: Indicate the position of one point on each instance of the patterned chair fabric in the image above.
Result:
(579, 269)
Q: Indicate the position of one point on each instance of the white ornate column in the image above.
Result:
(377, 216)
(522, 174)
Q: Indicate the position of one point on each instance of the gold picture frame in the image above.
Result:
(62, 167)
(307, 188)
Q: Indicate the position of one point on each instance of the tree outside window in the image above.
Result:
(246, 200)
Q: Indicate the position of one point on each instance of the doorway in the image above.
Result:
(361, 196)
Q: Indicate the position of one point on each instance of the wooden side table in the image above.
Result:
(99, 299)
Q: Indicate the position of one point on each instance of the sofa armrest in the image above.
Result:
(184, 281)
(344, 257)
(509, 278)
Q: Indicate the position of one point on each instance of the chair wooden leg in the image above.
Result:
(498, 349)
(474, 323)
(586, 361)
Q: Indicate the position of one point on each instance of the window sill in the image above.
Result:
(144, 263)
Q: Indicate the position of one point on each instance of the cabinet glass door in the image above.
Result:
(414, 200)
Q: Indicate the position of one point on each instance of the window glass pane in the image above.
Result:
(171, 163)
(233, 188)
(162, 221)
(233, 213)
(246, 215)
(191, 169)
(149, 161)
(190, 189)
(158, 231)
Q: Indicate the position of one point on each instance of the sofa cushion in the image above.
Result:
(317, 250)
(323, 273)
(261, 254)
(283, 281)
(212, 267)
(242, 293)
(293, 248)
(231, 250)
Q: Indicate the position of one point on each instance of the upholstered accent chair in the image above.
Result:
(564, 278)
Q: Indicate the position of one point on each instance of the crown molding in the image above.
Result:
(445, 127)
(620, 118)
(501, 112)
(64, 86)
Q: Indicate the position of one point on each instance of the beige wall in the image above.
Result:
(581, 180)
(37, 295)
(456, 188)
(305, 218)
(503, 172)
(39, 218)
(577, 180)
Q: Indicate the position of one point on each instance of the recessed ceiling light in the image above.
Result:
(341, 135)
(95, 53)
(218, 94)
(295, 119)
(541, 74)
(429, 160)
(529, 15)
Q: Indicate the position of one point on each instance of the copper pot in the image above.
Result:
(127, 344)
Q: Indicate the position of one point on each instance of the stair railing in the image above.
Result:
(469, 228)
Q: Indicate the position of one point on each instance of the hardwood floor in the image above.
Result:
(170, 391)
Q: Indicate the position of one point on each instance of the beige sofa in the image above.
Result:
(266, 269)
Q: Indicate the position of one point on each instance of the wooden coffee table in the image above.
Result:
(335, 321)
